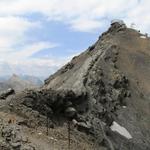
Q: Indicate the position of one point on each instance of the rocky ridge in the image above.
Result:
(97, 89)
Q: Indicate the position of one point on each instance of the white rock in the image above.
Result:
(75, 122)
(143, 37)
(40, 133)
(52, 138)
(121, 130)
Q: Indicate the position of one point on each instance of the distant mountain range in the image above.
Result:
(19, 83)
(42, 72)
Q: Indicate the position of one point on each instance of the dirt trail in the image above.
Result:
(56, 140)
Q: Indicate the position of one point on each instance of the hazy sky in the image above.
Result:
(39, 36)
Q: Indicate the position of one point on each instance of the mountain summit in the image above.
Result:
(104, 92)
(114, 73)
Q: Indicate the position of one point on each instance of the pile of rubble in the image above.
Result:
(11, 138)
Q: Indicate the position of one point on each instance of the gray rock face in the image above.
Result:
(103, 84)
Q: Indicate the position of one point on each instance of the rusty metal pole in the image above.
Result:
(69, 141)
(47, 132)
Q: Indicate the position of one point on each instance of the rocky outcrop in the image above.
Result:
(6, 93)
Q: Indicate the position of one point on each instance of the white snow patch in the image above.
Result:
(143, 37)
(121, 130)
(124, 106)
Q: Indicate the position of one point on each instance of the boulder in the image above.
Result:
(70, 112)
(6, 93)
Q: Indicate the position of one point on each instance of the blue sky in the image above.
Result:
(39, 36)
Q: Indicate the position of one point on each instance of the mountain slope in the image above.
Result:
(120, 56)
(104, 91)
